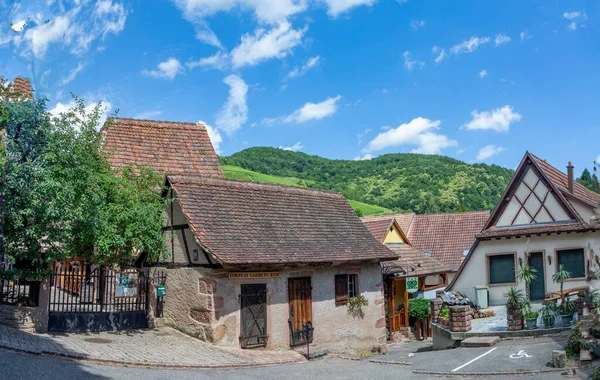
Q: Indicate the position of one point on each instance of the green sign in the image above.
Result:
(412, 284)
(161, 290)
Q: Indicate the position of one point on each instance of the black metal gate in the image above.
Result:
(87, 297)
(253, 301)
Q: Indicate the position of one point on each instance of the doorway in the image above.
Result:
(537, 287)
(253, 315)
(300, 299)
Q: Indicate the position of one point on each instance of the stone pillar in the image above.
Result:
(40, 313)
(460, 318)
(436, 308)
(152, 299)
(514, 318)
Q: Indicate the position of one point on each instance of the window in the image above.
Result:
(346, 287)
(573, 260)
(427, 253)
(501, 269)
(195, 255)
(466, 252)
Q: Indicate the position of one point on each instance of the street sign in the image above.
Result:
(412, 284)
(161, 290)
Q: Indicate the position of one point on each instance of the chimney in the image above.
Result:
(570, 177)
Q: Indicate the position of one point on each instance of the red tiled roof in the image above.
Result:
(561, 181)
(404, 221)
(378, 226)
(491, 233)
(167, 147)
(245, 223)
(412, 262)
(20, 89)
(446, 236)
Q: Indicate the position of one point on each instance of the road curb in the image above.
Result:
(567, 371)
(85, 358)
(390, 362)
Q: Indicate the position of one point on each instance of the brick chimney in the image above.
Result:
(570, 176)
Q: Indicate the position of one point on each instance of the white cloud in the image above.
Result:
(410, 64)
(501, 39)
(311, 63)
(205, 34)
(18, 26)
(525, 35)
(483, 73)
(498, 119)
(440, 54)
(489, 151)
(470, 45)
(235, 111)
(294, 148)
(367, 156)
(419, 132)
(147, 115)
(417, 24)
(264, 45)
(337, 7)
(308, 112)
(167, 69)
(105, 108)
(215, 136)
(574, 17)
(266, 11)
(75, 29)
(460, 151)
(69, 78)
(218, 61)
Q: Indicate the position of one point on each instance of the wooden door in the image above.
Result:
(300, 298)
(253, 315)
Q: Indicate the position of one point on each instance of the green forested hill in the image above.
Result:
(402, 182)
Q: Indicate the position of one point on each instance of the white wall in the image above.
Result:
(475, 271)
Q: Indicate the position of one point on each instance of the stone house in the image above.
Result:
(544, 219)
(255, 263)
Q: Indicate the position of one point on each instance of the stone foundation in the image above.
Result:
(436, 308)
(460, 318)
(514, 318)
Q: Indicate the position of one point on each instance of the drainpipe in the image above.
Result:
(570, 176)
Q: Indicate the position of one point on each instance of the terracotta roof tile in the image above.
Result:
(405, 220)
(446, 236)
(245, 223)
(561, 181)
(412, 262)
(378, 226)
(493, 232)
(20, 89)
(167, 147)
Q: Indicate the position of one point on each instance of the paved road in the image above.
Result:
(15, 366)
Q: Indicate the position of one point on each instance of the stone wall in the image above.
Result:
(460, 318)
(436, 308)
(27, 318)
(204, 303)
(514, 318)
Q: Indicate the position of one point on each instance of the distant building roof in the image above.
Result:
(380, 226)
(20, 89)
(412, 262)
(446, 236)
(244, 224)
(167, 147)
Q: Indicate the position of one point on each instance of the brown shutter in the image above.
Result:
(341, 289)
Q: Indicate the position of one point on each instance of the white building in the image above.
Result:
(544, 218)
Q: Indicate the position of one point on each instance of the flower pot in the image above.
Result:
(531, 323)
(567, 320)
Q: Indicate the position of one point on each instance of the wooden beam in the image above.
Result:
(176, 227)
(405, 305)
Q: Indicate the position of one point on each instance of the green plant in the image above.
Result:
(549, 311)
(559, 277)
(596, 374)
(566, 307)
(445, 312)
(527, 274)
(419, 308)
(574, 341)
(355, 305)
(514, 296)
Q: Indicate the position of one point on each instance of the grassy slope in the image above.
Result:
(235, 172)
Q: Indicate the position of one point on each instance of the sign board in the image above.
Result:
(412, 284)
(250, 275)
(161, 290)
(126, 284)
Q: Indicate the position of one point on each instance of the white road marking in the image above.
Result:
(469, 362)
(520, 354)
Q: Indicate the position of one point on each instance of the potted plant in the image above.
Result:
(529, 315)
(549, 313)
(419, 309)
(514, 300)
(527, 274)
(566, 309)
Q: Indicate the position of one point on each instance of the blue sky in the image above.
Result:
(480, 81)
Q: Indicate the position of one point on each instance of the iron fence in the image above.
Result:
(19, 292)
(160, 279)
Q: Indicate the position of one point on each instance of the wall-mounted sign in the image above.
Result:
(412, 284)
(126, 284)
(161, 290)
(249, 275)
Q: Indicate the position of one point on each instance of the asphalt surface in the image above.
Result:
(534, 356)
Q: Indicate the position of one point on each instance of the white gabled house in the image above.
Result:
(545, 219)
